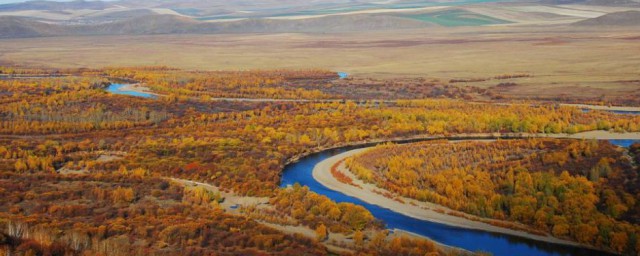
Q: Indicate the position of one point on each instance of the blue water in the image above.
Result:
(626, 112)
(343, 75)
(115, 89)
(472, 240)
(616, 111)
(624, 143)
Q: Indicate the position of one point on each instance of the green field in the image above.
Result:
(341, 9)
(456, 18)
(187, 11)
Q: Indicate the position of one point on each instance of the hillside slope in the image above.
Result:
(594, 2)
(626, 18)
(17, 27)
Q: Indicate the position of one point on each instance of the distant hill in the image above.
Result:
(338, 23)
(627, 18)
(55, 6)
(148, 24)
(177, 4)
(594, 2)
(16, 27)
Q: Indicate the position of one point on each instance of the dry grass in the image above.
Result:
(560, 60)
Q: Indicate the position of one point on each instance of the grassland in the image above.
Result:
(586, 61)
(456, 18)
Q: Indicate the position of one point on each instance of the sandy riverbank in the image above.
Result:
(427, 211)
(421, 210)
(336, 242)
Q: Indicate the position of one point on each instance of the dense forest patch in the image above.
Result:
(578, 189)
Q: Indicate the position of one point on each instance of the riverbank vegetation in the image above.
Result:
(73, 156)
(577, 189)
(272, 84)
(112, 214)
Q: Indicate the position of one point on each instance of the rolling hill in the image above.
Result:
(627, 18)
(594, 2)
(55, 6)
(18, 27)
(144, 17)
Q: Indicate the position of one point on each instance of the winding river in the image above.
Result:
(468, 239)
(120, 89)
(621, 112)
